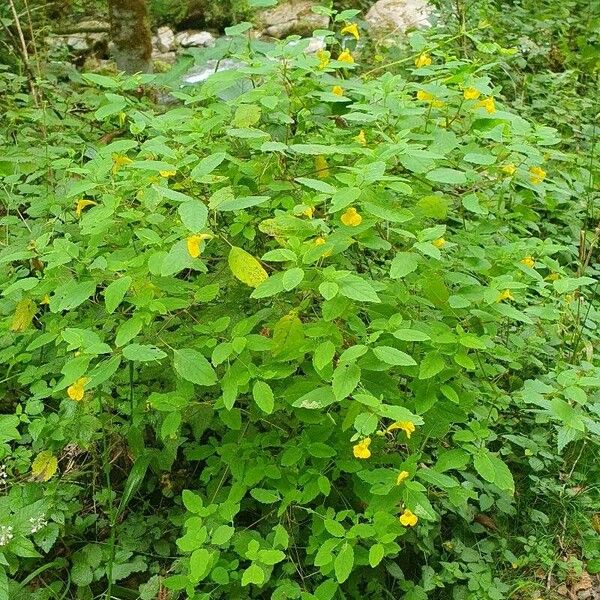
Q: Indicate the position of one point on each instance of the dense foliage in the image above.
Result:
(326, 328)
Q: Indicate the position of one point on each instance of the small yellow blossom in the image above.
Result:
(361, 450)
(319, 241)
(488, 104)
(424, 96)
(351, 29)
(321, 167)
(439, 243)
(505, 295)
(537, 175)
(407, 426)
(309, 211)
(509, 168)
(77, 389)
(402, 476)
(471, 93)
(323, 57)
(119, 160)
(45, 299)
(81, 204)
(351, 218)
(346, 57)
(553, 277)
(408, 518)
(423, 60)
(193, 243)
(337, 90)
(528, 261)
(360, 138)
(167, 174)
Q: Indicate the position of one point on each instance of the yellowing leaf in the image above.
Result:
(44, 466)
(23, 315)
(246, 268)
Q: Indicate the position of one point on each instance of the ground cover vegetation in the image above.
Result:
(323, 327)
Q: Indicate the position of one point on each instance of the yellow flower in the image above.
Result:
(423, 60)
(471, 93)
(553, 277)
(408, 518)
(118, 161)
(337, 90)
(309, 211)
(346, 57)
(407, 426)
(193, 243)
(351, 29)
(509, 168)
(321, 167)
(528, 261)
(537, 175)
(45, 299)
(167, 173)
(424, 96)
(402, 476)
(505, 295)
(81, 204)
(439, 243)
(351, 218)
(323, 57)
(361, 139)
(319, 241)
(76, 390)
(488, 104)
(361, 450)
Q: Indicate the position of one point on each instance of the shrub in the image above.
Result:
(301, 331)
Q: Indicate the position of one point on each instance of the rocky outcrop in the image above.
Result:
(398, 16)
(291, 17)
(194, 39)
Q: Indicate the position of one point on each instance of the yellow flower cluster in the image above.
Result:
(471, 93)
(528, 261)
(76, 391)
(351, 218)
(439, 243)
(537, 175)
(423, 60)
(323, 57)
(488, 104)
(504, 295)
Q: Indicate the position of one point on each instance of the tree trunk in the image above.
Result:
(130, 35)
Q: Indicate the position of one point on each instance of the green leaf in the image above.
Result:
(315, 399)
(431, 365)
(494, 470)
(115, 292)
(265, 496)
(343, 563)
(376, 553)
(316, 184)
(193, 215)
(207, 165)
(450, 176)
(134, 481)
(292, 278)
(345, 380)
(192, 501)
(403, 264)
(142, 353)
(253, 574)
(323, 354)
(222, 534)
(192, 366)
(288, 336)
(263, 396)
(245, 267)
(356, 288)
(393, 356)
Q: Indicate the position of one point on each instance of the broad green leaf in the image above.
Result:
(115, 292)
(343, 563)
(192, 366)
(142, 353)
(263, 396)
(403, 264)
(345, 380)
(44, 466)
(393, 356)
(193, 214)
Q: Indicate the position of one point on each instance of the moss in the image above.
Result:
(130, 34)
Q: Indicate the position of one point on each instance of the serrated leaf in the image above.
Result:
(44, 466)
(192, 366)
(343, 563)
(115, 292)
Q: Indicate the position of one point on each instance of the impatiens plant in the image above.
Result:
(289, 337)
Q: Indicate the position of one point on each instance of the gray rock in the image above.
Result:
(164, 40)
(398, 16)
(194, 39)
(86, 37)
(289, 18)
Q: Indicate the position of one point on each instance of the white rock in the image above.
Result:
(189, 39)
(203, 72)
(398, 16)
(164, 40)
(291, 17)
(93, 33)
